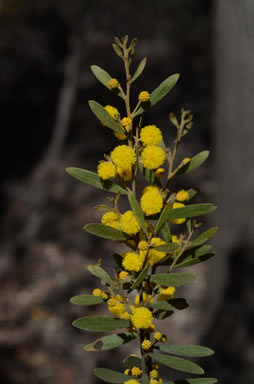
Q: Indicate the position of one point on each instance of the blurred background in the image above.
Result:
(46, 49)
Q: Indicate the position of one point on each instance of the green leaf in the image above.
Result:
(173, 119)
(100, 324)
(195, 256)
(192, 192)
(133, 45)
(203, 237)
(132, 361)
(167, 247)
(161, 315)
(138, 212)
(172, 279)
(189, 211)
(140, 278)
(197, 243)
(104, 78)
(177, 363)
(189, 262)
(110, 342)
(117, 50)
(145, 380)
(104, 116)
(139, 70)
(165, 231)
(106, 232)
(86, 300)
(101, 75)
(206, 380)
(170, 305)
(97, 271)
(194, 163)
(188, 224)
(163, 218)
(93, 179)
(110, 376)
(147, 173)
(187, 350)
(161, 91)
(103, 208)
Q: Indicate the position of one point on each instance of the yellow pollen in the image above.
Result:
(144, 96)
(113, 83)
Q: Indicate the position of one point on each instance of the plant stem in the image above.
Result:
(128, 85)
(181, 252)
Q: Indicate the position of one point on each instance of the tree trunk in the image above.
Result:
(230, 329)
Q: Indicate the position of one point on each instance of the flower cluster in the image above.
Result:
(136, 295)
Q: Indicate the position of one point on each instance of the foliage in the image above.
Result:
(146, 230)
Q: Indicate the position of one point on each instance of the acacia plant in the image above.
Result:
(158, 230)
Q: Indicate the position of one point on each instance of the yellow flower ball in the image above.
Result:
(166, 293)
(169, 291)
(175, 239)
(155, 256)
(129, 223)
(132, 262)
(157, 336)
(154, 381)
(106, 170)
(113, 83)
(141, 317)
(182, 195)
(143, 245)
(151, 201)
(152, 157)
(136, 372)
(131, 382)
(97, 292)
(151, 328)
(112, 111)
(116, 306)
(144, 96)
(111, 302)
(150, 135)
(111, 219)
(105, 295)
(163, 338)
(178, 221)
(127, 372)
(146, 298)
(126, 122)
(154, 374)
(125, 316)
(123, 275)
(123, 156)
(159, 173)
(118, 310)
(125, 174)
(146, 345)
(119, 298)
(186, 160)
(137, 300)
